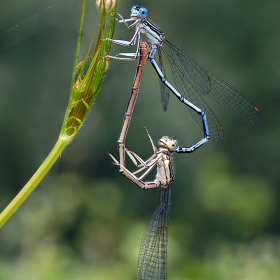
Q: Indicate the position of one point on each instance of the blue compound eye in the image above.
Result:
(142, 13)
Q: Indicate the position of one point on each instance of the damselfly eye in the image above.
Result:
(143, 13)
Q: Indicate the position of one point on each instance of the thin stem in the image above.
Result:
(86, 84)
(34, 180)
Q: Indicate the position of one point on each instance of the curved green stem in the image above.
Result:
(34, 180)
(86, 84)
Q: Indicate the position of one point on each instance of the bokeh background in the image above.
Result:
(85, 221)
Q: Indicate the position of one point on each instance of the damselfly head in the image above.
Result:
(168, 143)
(138, 12)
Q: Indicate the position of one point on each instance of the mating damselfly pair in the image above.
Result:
(193, 82)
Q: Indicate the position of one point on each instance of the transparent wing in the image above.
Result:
(164, 91)
(193, 81)
(153, 249)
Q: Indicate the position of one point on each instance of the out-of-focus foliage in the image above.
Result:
(85, 221)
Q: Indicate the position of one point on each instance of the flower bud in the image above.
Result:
(105, 6)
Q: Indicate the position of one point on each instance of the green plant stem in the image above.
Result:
(86, 84)
(34, 180)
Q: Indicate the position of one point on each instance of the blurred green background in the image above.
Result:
(85, 221)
